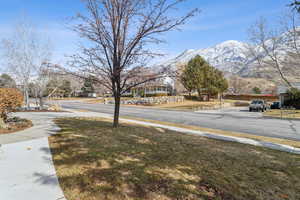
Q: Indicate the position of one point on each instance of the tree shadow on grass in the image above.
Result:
(150, 163)
(46, 179)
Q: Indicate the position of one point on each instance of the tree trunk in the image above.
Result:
(41, 103)
(199, 94)
(117, 110)
(26, 98)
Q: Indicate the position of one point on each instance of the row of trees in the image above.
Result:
(200, 76)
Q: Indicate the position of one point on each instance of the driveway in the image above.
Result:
(232, 119)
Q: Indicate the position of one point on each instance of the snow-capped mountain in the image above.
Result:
(234, 57)
(229, 56)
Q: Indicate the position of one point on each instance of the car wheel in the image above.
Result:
(250, 110)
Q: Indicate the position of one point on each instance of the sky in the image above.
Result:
(218, 21)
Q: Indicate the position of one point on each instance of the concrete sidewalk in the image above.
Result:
(27, 172)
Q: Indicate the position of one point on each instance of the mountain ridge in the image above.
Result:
(226, 56)
(233, 57)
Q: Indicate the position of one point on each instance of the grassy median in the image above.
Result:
(94, 161)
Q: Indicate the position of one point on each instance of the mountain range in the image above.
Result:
(229, 56)
(232, 57)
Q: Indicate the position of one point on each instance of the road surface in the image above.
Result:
(231, 119)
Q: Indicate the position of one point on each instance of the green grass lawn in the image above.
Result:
(94, 162)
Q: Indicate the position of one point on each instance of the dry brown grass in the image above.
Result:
(222, 132)
(285, 114)
(189, 105)
(94, 162)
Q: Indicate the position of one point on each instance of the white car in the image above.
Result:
(258, 105)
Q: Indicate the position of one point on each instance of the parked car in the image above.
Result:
(258, 105)
(276, 105)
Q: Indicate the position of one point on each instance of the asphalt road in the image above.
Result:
(232, 119)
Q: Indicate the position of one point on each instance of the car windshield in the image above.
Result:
(257, 102)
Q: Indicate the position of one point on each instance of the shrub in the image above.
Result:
(293, 98)
(10, 99)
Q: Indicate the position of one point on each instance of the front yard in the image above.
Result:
(94, 161)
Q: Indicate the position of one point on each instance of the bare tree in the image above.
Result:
(295, 5)
(266, 47)
(120, 33)
(277, 48)
(27, 53)
(43, 75)
(291, 27)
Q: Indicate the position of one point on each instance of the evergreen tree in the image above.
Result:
(187, 81)
(293, 99)
(199, 75)
(88, 86)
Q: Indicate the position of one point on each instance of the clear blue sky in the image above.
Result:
(219, 20)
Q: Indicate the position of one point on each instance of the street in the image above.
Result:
(232, 119)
